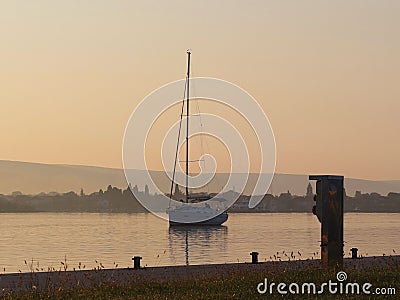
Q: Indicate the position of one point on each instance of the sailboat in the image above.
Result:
(192, 212)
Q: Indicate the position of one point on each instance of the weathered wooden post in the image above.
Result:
(329, 211)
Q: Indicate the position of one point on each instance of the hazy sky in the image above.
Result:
(325, 72)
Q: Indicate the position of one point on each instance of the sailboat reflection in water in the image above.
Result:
(190, 209)
(196, 240)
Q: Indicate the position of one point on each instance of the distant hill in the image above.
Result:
(34, 178)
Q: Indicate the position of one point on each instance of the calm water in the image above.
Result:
(49, 238)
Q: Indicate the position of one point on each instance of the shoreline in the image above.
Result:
(20, 283)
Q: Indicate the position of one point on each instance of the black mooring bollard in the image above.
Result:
(353, 252)
(254, 257)
(136, 262)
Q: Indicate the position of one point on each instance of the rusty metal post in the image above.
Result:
(329, 210)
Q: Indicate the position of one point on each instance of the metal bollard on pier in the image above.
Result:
(254, 257)
(136, 262)
(354, 253)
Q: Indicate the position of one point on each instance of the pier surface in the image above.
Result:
(48, 281)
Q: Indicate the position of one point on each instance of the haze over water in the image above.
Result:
(49, 238)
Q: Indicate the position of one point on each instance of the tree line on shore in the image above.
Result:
(118, 200)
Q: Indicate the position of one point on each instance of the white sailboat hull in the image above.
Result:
(186, 217)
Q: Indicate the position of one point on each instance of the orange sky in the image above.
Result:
(326, 74)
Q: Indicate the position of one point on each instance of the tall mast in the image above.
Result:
(187, 128)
